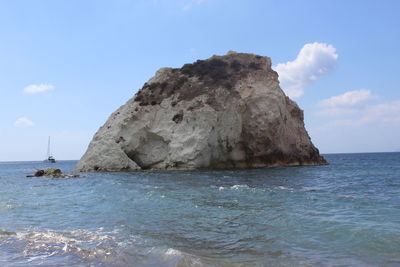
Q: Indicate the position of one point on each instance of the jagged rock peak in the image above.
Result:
(223, 112)
(202, 77)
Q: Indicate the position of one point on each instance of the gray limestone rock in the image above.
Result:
(223, 112)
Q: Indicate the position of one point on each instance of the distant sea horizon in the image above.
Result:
(330, 153)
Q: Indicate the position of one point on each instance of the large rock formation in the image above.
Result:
(223, 112)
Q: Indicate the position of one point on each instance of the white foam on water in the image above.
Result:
(174, 258)
(38, 246)
(172, 251)
(97, 247)
(240, 186)
(285, 188)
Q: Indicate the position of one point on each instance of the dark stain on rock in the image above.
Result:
(202, 77)
(235, 65)
(255, 66)
(120, 139)
(178, 117)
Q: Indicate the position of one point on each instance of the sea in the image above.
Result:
(343, 214)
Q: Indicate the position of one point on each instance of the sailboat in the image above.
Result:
(50, 158)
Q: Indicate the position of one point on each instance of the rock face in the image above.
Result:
(223, 112)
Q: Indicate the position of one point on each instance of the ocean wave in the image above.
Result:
(172, 258)
(95, 248)
(235, 187)
(240, 186)
(284, 188)
(37, 247)
(266, 189)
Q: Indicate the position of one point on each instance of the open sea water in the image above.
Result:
(344, 214)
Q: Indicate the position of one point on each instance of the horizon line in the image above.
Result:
(329, 153)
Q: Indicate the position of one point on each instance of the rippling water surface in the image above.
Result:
(344, 214)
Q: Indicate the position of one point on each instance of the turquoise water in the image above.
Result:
(344, 214)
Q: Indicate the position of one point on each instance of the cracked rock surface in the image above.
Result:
(223, 112)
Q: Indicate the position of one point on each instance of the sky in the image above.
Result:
(66, 65)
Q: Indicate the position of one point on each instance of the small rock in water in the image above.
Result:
(53, 173)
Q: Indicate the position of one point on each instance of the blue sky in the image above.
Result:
(66, 65)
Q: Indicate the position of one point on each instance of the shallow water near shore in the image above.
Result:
(344, 214)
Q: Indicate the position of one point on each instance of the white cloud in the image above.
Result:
(386, 112)
(354, 109)
(348, 99)
(189, 4)
(23, 122)
(38, 88)
(346, 104)
(334, 112)
(313, 61)
(376, 115)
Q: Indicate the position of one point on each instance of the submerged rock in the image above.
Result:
(223, 112)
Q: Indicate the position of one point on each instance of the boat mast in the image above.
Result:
(48, 148)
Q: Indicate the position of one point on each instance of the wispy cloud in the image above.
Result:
(313, 61)
(388, 112)
(346, 104)
(337, 112)
(37, 88)
(189, 4)
(23, 122)
(348, 99)
(354, 108)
